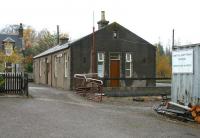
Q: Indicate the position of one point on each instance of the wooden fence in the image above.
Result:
(14, 84)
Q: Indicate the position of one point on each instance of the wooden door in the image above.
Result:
(114, 72)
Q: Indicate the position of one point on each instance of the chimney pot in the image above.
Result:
(63, 40)
(103, 15)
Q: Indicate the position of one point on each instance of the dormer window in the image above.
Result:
(8, 46)
(8, 49)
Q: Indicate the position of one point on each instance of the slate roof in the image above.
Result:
(16, 38)
(64, 46)
(188, 45)
(52, 50)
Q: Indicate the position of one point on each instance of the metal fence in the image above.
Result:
(137, 87)
(14, 84)
(149, 81)
(91, 86)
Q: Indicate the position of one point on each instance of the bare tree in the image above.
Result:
(10, 29)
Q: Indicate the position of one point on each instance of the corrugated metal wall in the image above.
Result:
(186, 87)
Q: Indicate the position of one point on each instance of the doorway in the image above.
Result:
(114, 69)
(46, 71)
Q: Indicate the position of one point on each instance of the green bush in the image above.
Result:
(1, 81)
(2, 67)
(28, 67)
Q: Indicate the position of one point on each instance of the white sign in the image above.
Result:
(182, 61)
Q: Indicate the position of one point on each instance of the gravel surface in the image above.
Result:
(54, 113)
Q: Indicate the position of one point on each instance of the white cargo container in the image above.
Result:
(186, 74)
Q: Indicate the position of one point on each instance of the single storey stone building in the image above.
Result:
(119, 54)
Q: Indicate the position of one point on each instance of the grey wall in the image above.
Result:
(143, 53)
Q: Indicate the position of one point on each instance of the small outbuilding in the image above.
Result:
(119, 54)
(186, 74)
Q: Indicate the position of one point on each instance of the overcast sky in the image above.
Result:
(152, 20)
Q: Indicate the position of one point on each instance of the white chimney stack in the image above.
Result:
(103, 16)
(102, 23)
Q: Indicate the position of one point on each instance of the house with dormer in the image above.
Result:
(9, 44)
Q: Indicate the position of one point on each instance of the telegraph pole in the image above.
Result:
(93, 50)
(172, 39)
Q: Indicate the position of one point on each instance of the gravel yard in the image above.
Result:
(54, 113)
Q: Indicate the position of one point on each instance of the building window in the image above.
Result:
(101, 64)
(56, 64)
(8, 67)
(114, 56)
(17, 68)
(40, 68)
(66, 65)
(8, 49)
(128, 65)
(115, 34)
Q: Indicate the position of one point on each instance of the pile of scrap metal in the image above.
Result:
(178, 111)
(89, 86)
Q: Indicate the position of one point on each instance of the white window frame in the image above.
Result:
(56, 68)
(128, 57)
(66, 65)
(128, 61)
(101, 56)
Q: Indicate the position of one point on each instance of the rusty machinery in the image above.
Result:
(89, 85)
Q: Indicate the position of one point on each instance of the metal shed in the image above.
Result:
(186, 74)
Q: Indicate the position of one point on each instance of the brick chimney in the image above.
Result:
(20, 30)
(63, 40)
(102, 23)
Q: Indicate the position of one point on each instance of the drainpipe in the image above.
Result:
(39, 70)
(173, 39)
(51, 71)
(71, 69)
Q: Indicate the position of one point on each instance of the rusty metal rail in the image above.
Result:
(89, 86)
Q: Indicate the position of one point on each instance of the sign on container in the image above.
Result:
(182, 61)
